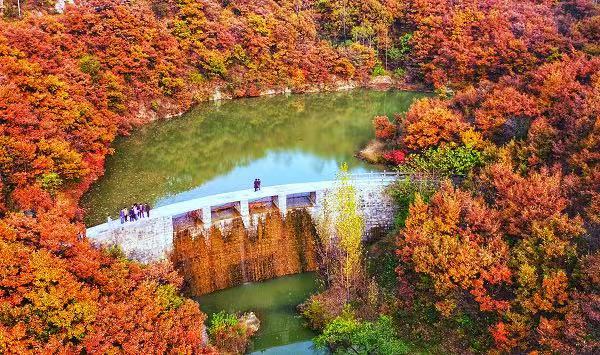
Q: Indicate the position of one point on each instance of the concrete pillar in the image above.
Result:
(313, 198)
(245, 212)
(206, 217)
(282, 204)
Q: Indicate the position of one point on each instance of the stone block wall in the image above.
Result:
(144, 240)
(375, 205)
(378, 210)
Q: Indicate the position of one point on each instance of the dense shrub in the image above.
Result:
(430, 122)
(395, 157)
(228, 333)
(346, 335)
(446, 160)
(220, 321)
(384, 129)
(316, 313)
(404, 192)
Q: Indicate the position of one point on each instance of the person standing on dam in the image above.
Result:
(140, 213)
(132, 216)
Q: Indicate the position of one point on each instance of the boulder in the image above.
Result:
(251, 321)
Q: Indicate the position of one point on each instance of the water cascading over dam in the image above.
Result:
(236, 254)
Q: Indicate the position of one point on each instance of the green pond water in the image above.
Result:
(274, 302)
(223, 147)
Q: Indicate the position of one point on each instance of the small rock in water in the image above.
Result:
(251, 321)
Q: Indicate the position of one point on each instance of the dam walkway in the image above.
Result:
(150, 238)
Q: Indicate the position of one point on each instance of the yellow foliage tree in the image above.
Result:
(340, 226)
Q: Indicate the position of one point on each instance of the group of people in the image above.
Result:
(138, 210)
(256, 184)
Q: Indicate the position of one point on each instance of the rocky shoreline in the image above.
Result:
(167, 110)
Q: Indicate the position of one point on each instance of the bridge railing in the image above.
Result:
(397, 175)
(378, 174)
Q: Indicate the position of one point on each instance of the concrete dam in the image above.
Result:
(151, 239)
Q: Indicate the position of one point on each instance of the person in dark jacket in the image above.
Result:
(132, 216)
(147, 209)
(258, 182)
(140, 210)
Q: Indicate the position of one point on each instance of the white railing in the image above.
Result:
(378, 175)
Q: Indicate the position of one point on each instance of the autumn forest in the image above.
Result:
(495, 249)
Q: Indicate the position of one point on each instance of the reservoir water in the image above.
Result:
(217, 148)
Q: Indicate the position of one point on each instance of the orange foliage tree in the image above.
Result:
(460, 43)
(59, 293)
(532, 211)
(512, 250)
(456, 240)
(430, 122)
(384, 129)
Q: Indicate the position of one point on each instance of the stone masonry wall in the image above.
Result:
(145, 240)
(378, 210)
(375, 205)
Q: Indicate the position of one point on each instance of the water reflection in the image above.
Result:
(220, 148)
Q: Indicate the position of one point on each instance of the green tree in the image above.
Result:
(346, 335)
(446, 160)
(90, 65)
(349, 225)
(51, 182)
(340, 228)
(221, 321)
(404, 191)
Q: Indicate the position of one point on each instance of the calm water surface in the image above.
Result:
(217, 148)
(274, 302)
